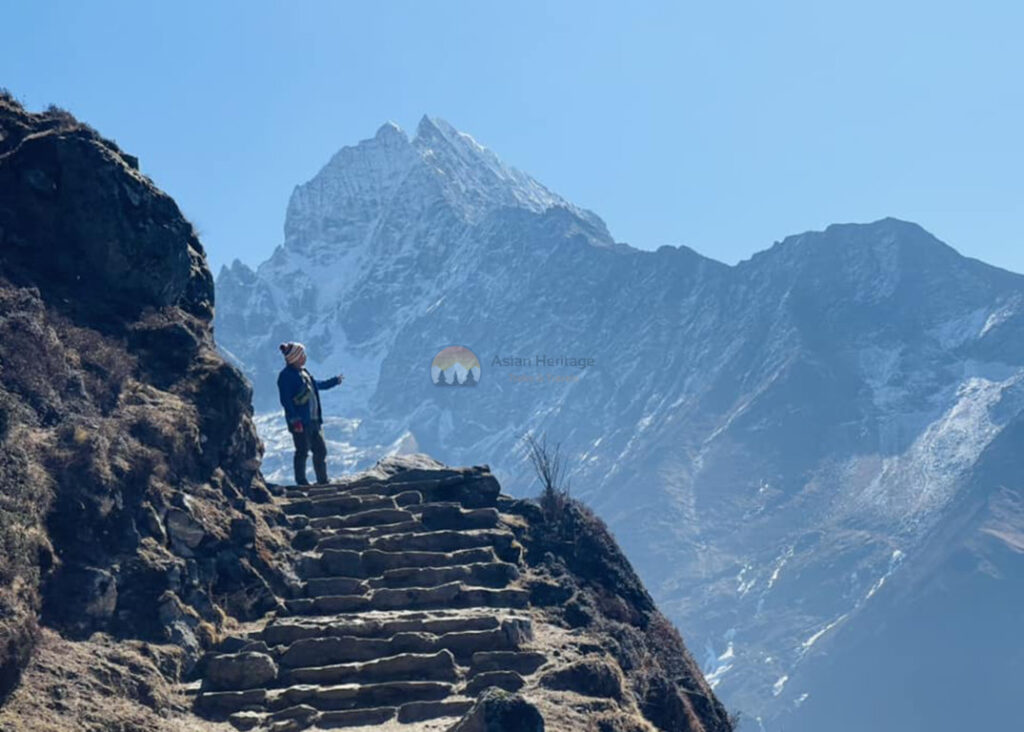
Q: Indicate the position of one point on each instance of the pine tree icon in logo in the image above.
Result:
(455, 366)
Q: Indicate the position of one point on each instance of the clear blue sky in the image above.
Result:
(722, 126)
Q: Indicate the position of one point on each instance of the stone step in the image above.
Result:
(522, 662)
(373, 517)
(374, 562)
(507, 680)
(295, 717)
(409, 500)
(377, 625)
(359, 696)
(390, 487)
(322, 586)
(446, 541)
(438, 516)
(482, 574)
(343, 503)
(358, 480)
(426, 518)
(472, 491)
(372, 717)
(406, 497)
(431, 541)
(423, 711)
(332, 487)
(301, 492)
(509, 635)
(438, 666)
(449, 595)
(219, 704)
(343, 508)
(361, 534)
(313, 491)
(336, 487)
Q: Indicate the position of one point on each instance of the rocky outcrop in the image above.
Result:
(156, 577)
(132, 501)
(428, 600)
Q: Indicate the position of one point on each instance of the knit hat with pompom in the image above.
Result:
(292, 352)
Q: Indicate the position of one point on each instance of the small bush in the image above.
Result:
(549, 467)
(63, 118)
(8, 97)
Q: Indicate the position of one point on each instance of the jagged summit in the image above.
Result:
(391, 131)
(363, 182)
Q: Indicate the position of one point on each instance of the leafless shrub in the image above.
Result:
(549, 466)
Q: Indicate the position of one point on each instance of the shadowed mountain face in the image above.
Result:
(806, 455)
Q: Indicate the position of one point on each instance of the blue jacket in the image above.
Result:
(299, 401)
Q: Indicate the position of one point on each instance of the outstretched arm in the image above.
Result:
(330, 383)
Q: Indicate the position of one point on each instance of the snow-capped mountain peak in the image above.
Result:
(390, 131)
(778, 445)
(475, 179)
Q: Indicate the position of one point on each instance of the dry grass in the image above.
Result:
(99, 685)
(7, 97)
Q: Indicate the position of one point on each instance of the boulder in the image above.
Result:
(240, 671)
(497, 710)
(183, 529)
(588, 676)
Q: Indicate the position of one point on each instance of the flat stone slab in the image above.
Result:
(381, 625)
(352, 696)
(355, 718)
(453, 516)
(480, 574)
(522, 662)
(439, 666)
(422, 711)
(374, 562)
(507, 680)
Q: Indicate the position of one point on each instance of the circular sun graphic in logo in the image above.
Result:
(455, 366)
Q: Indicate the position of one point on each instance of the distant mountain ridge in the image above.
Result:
(776, 444)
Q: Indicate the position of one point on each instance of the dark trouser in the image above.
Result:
(311, 439)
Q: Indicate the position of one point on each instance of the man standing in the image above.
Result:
(300, 397)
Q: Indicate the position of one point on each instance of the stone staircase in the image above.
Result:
(411, 604)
